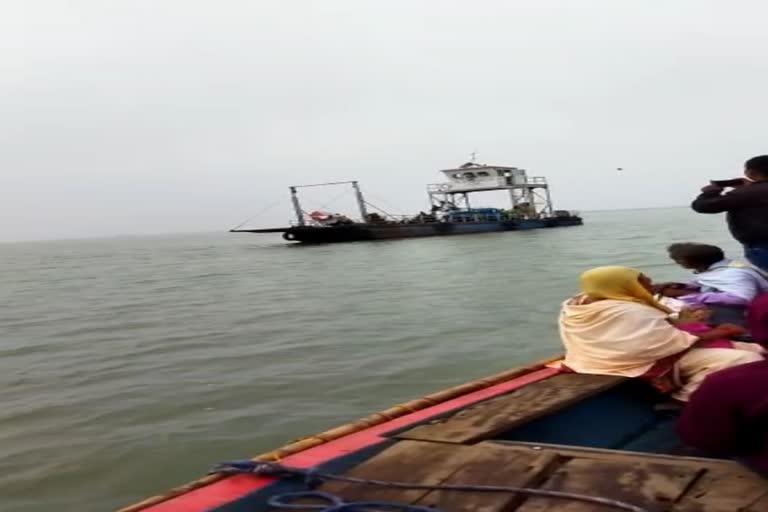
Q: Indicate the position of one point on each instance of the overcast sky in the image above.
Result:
(149, 116)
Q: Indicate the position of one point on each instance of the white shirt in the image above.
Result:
(744, 282)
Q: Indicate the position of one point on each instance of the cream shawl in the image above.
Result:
(617, 337)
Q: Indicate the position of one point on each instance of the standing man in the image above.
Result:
(747, 209)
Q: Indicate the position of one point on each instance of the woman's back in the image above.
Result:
(617, 337)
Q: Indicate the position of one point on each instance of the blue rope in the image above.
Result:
(313, 477)
(333, 503)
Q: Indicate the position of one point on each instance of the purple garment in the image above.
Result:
(728, 415)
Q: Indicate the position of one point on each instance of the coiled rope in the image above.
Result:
(313, 477)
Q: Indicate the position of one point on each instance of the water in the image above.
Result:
(130, 365)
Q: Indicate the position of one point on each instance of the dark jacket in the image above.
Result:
(747, 209)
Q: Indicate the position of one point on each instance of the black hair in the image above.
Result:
(696, 255)
(758, 165)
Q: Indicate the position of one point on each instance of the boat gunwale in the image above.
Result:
(360, 425)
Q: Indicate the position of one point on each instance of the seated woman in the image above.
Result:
(616, 327)
(728, 414)
(718, 280)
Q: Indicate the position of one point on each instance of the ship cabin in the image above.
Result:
(529, 196)
(472, 177)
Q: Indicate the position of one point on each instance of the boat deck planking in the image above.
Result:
(471, 446)
(657, 482)
(458, 449)
(490, 417)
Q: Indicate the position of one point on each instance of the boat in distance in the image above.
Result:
(451, 211)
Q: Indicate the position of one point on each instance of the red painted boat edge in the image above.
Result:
(229, 489)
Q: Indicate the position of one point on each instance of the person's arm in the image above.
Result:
(724, 331)
(675, 289)
(723, 298)
(712, 199)
(715, 202)
(676, 293)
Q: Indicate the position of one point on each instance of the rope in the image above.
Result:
(336, 198)
(259, 213)
(333, 503)
(275, 203)
(312, 477)
(385, 203)
(379, 209)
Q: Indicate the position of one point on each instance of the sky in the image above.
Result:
(155, 116)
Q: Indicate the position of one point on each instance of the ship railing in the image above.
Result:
(296, 224)
(383, 220)
(447, 188)
(439, 187)
(476, 218)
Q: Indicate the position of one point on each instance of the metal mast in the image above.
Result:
(297, 206)
(360, 201)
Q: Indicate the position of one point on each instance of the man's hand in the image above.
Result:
(672, 289)
(712, 188)
(674, 293)
(658, 287)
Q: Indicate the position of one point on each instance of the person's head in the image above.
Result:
(693, 256)
(756, 168)
(619, 283)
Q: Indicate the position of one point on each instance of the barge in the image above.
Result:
(451, 210)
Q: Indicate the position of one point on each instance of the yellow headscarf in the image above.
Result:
(618, 283)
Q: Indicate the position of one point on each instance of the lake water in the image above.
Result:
(130, 365)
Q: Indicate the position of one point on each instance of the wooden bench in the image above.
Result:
(502, 413)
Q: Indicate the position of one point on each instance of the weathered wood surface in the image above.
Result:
(760, 505)
(656, 482)
(487, 466)
(723, 485)
(725, 490)
(655, 487)
(435, 463)
(604, 453)
(491, 417)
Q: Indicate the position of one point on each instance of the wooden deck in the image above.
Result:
(486, 419)
(656, 482)
(458, 449)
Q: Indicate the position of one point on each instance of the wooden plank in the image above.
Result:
(486, 419)
(652, 486)
(412, 462)
(659, 483)
(603, 453)
(760, 505)
(406, 461)
(719, 490)
(490, 465)
(435, 463)
(724, 486)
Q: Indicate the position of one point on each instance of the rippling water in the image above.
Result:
(130, 365)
